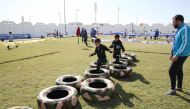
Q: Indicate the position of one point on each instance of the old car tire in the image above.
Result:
(120, 63)
(71, 80)
(94, 65)
(57, 97)
(97, 89)
(127, 59)
(20, 107)
(120, 72)
(133, 56)
(94, 73)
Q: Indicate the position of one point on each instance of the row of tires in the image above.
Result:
(94, 86)
(116, 69)
(129, 59)
(65, 95)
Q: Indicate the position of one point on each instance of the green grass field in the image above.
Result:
(27, 70)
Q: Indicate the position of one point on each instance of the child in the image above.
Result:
(100, 52)
(93, 34)
(117, 46)
(11, 40)
(84, 36)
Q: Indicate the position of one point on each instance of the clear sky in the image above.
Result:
(46, 11)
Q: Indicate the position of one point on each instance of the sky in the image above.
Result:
(136, 11)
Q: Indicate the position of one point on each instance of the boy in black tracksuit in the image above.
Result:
(117, 46)
(100, 52)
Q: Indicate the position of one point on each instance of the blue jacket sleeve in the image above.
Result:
(183, 46)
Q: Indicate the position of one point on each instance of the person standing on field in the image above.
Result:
(78, 33)
(84, 36)
(179, 54)
(156, 34)
(11, 40)
(93, 34)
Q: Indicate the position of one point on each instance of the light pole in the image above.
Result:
(95, 12)
(65, 19)
(77, 10)
(59, 13)
(132, 28)
(137, 18)
(118, 15)
(30, 17)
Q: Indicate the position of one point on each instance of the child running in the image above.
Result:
(117, 47)
(100, 52)
(11, 40)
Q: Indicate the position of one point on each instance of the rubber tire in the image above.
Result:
(76, 84)
(133, 56)
(127, 59)
(123, 64)
(97, 94)
(106, 73)
(68, 102)
(120, 73)
(94, 65)
(20, 107)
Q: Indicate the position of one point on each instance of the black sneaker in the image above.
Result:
(179, 89)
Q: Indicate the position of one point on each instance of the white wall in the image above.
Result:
(42, 29)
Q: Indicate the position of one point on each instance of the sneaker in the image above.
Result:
(171, 92)
(179, 89)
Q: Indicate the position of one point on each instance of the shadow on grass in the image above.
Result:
(184, 98)
(21, 59)
(79, 106)
(120, 97)
(187, 93)
(85, 49)
(135, 77)
(137, 61)
(149, 52)
(133, 65)
(90, 46)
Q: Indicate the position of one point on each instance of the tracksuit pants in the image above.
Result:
(100, 63)
(176, 72)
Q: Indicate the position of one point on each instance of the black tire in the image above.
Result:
(97, 89)
(71, 80)
(127, 59)
(120, 63)
(94, 73)
(20, 107)
(120, 72)
(58, 97)
(133, 56)
(94, 65)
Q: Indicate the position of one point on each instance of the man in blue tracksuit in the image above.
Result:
(179, 54)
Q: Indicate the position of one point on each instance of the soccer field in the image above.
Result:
(27, 70)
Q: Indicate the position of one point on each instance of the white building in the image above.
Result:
(43, 29)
